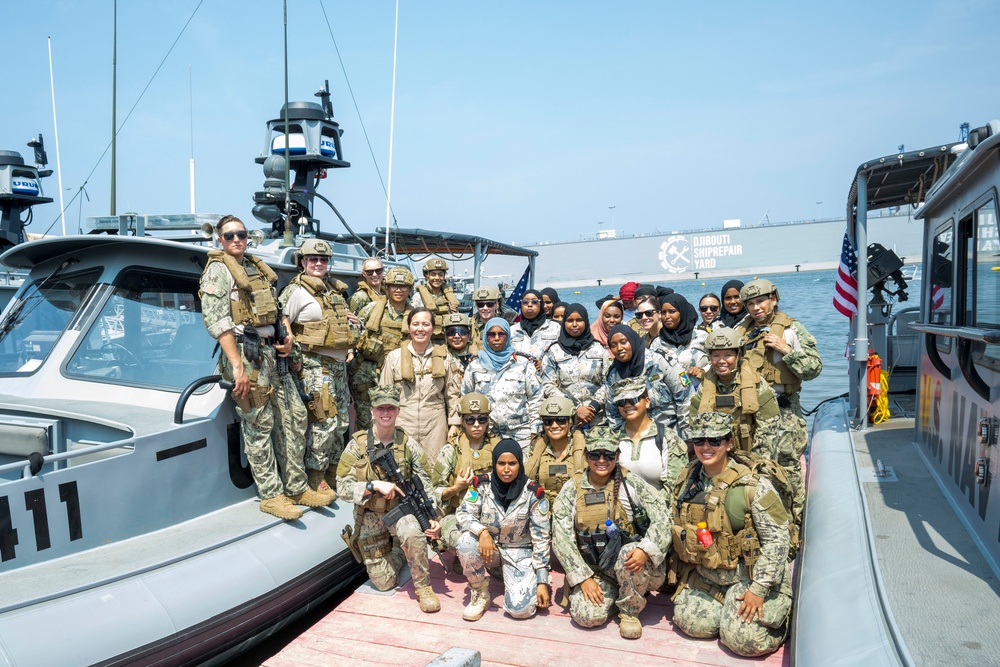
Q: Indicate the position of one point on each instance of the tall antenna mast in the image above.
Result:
(392, 119)
(55, 125)
(191, 103)
(114, 107)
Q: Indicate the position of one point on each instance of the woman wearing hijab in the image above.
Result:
(504, 521)
(575, 367)
(532, 336)
(550, 298)
(611, 314)
(733, 310)
(509, 380)
(559, 311)
(669, 395)
(679, 341)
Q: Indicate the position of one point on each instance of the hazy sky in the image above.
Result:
(522, 121)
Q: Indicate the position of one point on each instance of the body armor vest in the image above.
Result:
(593, 509)
(369, 290)
(334, 330)
(438, 304)
(367, 472)
(550, 474)
(759, 358)
(382, 334)
(727, 516)
(467, 458)
(438, 354)
(256, 302)
(742, 404)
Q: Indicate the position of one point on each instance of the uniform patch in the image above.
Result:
(725, 401)
(558, 469)
(685, 380)
(543, 505)
(475, 453)
(472, 495)
(594, 498)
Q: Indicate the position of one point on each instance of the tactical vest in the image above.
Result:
(382, 334)
(366, 472)
(334, 330)
(727, 516)
(256, 303)
(438, 354)
(593, 509)
(759, 357)
(742, 404)
(480, 461)
(550, 474)
(368, 290)
(438, 304)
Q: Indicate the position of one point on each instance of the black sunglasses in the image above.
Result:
(705, 309)
(457, 331)
(643, 314)
(472, 420)
(229, 236)
(486, 304)
(628, 401)
(373, 272)
(601, 454)
(549, 421)
(496, 334)
(711, 442)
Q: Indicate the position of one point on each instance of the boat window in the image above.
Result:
(940, 282)
(149, 333)
(37, 318)
(982, 277)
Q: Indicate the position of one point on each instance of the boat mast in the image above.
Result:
(55, 125)
(191, 104)
(288, 239)
(114, 104)
(392, 118)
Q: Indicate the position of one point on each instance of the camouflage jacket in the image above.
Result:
(514, 389)
(769, 429)
(669, 394)
(351, 490)
(578, 378)
(536, 345)
(803, 360)
(693, 354)
(523, 525)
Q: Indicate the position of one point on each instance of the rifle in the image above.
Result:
(280, 334)
(415, 500)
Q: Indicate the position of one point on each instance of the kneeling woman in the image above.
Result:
(734, 581)
(557, 453)
(505, 527)
(610, 532)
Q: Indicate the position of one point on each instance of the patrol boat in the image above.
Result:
(129, 526)
(902, 520)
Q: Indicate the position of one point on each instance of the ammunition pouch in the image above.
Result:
(259, 396)
(371, 348)
(689, 578)
(349, 536)
(374, 546)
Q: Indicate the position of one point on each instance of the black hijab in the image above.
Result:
(552, 294)
(681, 336)
(633, 367)
(506, 493)
(728, 318)
(532, 325)
(576, 345)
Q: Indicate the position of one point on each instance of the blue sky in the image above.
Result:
(522, 121)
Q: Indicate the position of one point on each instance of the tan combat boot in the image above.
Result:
(310, 498)
(629, 626)
(317, 482)
(428, 600)
(331, 477)
(480, 601)
(281, 507)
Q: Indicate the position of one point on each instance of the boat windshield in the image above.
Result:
(149, 333)
(35, 321)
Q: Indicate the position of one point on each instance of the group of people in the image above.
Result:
(611, 445)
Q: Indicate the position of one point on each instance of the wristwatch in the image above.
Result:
(370, 487)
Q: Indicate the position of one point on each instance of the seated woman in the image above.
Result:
(556, 454)
(505, 530)
(679, 341)
(575, 367)
(734, 580)
(466, 455)
(709, 307)
(509, 380)
(610, 532)
(648, 449)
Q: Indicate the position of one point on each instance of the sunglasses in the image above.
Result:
(486, 304)
(229, 236)
(628, 401)
(549, 421)
(457, 331)
(373, 272)
(711, 442)
(530, 302)
(317, 259)
(601, 454)
(643, 314)
(496, 334)
(706, 309)
(477, 419)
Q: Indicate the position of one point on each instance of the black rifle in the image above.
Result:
(280, 334)
(415, 500)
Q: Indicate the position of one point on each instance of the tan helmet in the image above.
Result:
(486, 293)
(313, 247)
(398, 275)
(456, 320)
(474, 404)
(724, 339)
(756, 288)
(435, 264)
(556, 406)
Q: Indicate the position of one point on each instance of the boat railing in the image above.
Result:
(969, 341)
(89, 448)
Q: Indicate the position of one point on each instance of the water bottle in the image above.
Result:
(609, 527)
(704, 535)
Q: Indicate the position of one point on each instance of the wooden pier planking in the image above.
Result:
(372, 629)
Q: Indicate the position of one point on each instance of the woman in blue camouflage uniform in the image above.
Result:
(505, 531)
(534, 334)
(680, 342)
(575, 367)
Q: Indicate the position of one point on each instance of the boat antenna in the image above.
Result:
(288, 239)
(392, 119)
(191, 105)
(55, 125)
(114, 105)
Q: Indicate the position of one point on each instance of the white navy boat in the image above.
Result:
(902, 528)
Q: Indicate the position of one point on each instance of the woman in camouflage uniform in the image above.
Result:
(680, 342)
(534, 334)
(557, 453)
(575, 367)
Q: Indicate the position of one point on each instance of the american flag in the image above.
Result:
(845, 293)
(514, 300)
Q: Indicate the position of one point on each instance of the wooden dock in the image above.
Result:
(372, 628)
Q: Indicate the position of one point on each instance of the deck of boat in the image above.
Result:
(374, 628)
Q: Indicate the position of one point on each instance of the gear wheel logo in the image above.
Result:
(675, 254)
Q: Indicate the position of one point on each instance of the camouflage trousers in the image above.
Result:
(273, 435)
(699, 614)
(789, 450)
(386, 549)
(629, 594)
(520, 584)
(450, 532)
(327, 439)
(364, 374)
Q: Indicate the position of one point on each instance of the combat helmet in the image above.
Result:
(724, 339)
(486, 293)
(475, 404)
(710, 425)
(456, 320)
(756, 288)
(313, 247)
(435, 264)
(556, 406)
(398, 275)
